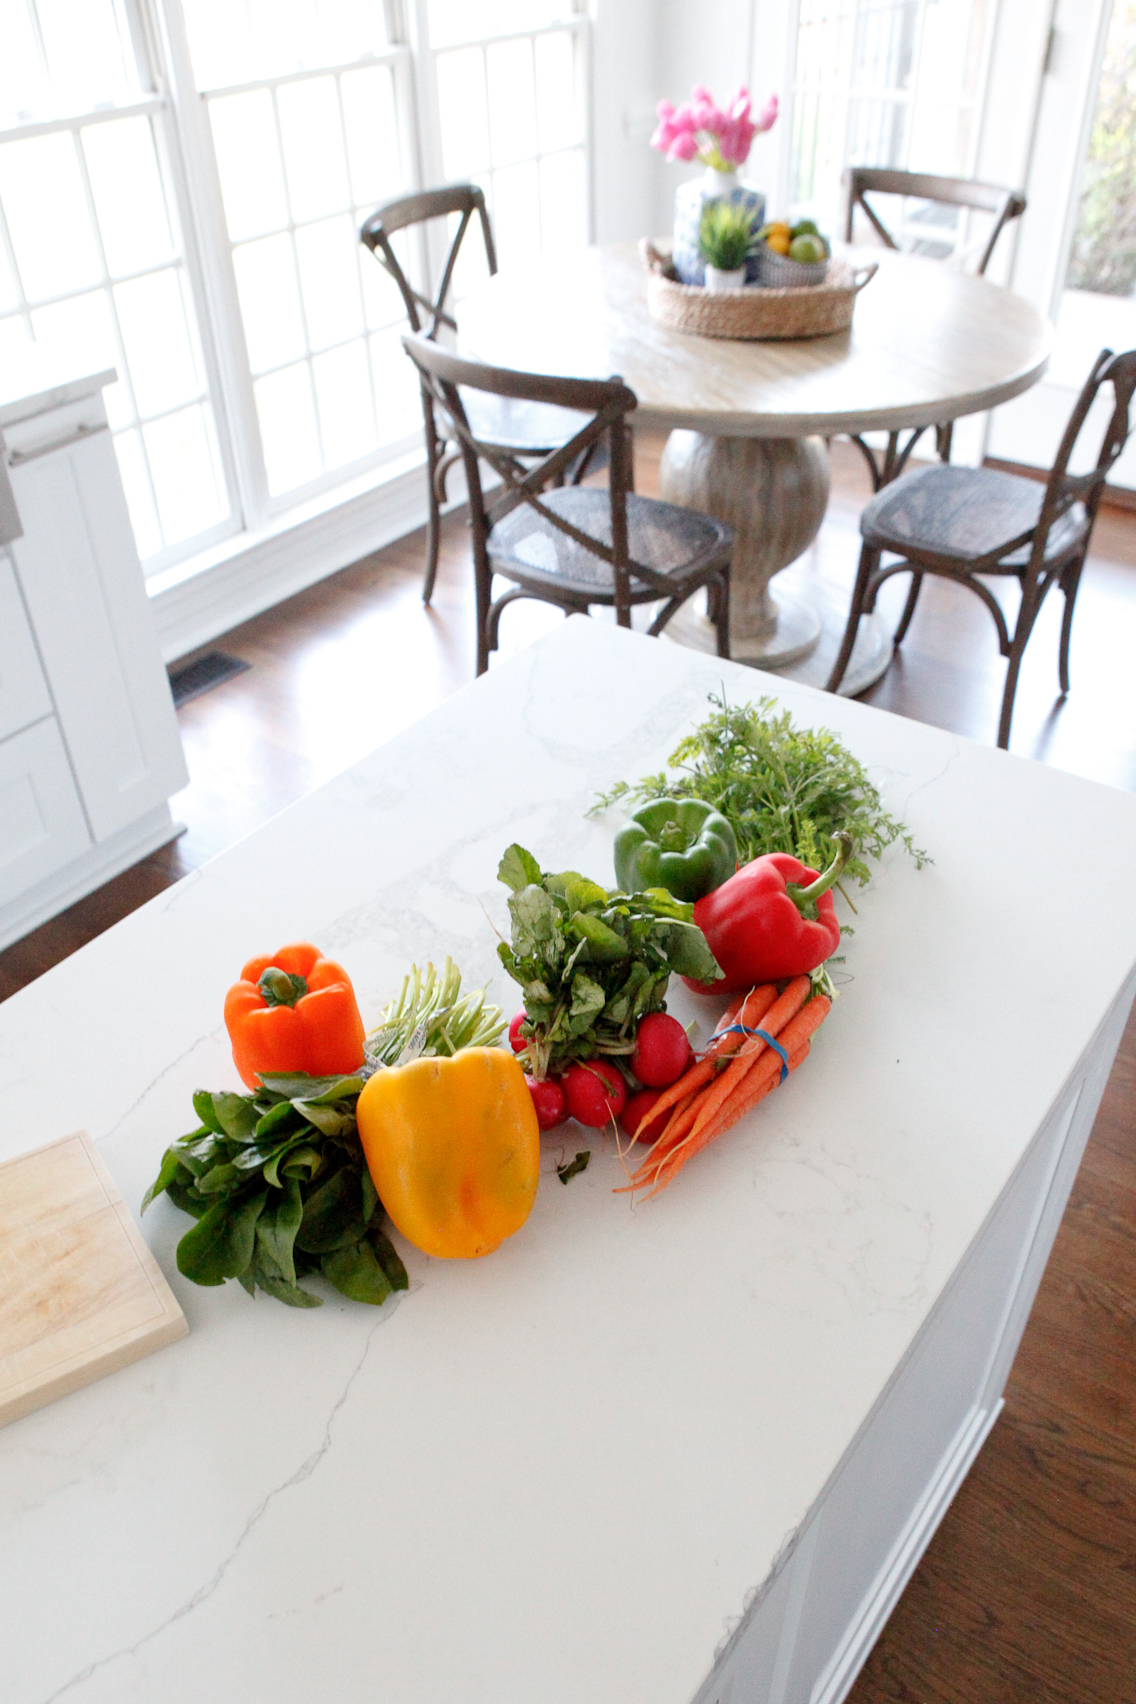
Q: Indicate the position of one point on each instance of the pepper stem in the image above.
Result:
(805, 898)
(281, 989)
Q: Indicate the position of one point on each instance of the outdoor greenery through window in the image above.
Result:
(1104, 243)
(181, 187)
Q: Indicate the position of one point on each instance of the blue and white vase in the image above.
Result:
(690, 199)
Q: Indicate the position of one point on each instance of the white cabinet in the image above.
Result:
(89, 744)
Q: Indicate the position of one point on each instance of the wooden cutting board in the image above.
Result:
(80, 1293)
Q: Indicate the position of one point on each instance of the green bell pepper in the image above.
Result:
(683, 845)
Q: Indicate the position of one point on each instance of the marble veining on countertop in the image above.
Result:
(562, 1471)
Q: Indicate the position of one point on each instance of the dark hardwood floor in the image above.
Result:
(1028, 1590)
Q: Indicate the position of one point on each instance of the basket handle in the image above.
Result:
(864, 275)
(653, 258)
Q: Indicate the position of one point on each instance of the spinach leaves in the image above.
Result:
(279, 1188)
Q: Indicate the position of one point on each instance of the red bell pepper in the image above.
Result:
(774, 919)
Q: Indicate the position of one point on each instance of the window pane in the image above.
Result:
(46, 209)
(288, 429)
(129, 200)
(14, 340)
(382, 300)
(82, 330)
(23, 86)
(468, 20)
(139, 497)
(187, 482)
(516, 216)
(463, 113)
(269, 38)
(270, 302)
(329, 281)
(373, 150)
(398, 399)
(159, 353)
(248, 159)
(512, 101)
(313, 148)
(562, 222)
(84, 51)
(346, 413)
(556, 105)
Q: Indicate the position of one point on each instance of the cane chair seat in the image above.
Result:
(971, 515)
(680, 543)
(523, 429)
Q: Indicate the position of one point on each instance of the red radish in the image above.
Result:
(594, 1091)
(662, 1051)
(633, 1114)
(548, 1102)
(517, 1041)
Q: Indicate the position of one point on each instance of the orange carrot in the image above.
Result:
(665, 1161)
(795, 1035)
(785, 1007)
(755, 1092)
(753, 1007)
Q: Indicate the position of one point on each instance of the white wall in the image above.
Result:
(625, 88)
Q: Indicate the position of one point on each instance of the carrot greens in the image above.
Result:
(781, 788)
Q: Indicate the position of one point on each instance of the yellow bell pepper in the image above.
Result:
(453, 1149)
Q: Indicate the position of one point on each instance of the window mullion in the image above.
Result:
(212, 273)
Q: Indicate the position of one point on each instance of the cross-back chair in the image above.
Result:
(966, 523)
(522, 430)
(1003, 204)
(573, 546)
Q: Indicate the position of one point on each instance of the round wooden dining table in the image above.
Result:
(749, 421)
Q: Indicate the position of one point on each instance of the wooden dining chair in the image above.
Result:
(572, 545)
(967, 523)
(526, 431)
(1002, 204)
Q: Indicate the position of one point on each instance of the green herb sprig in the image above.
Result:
(781, 788)
(726, 235)
(591, 962)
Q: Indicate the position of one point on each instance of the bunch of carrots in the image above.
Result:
(735, 1072)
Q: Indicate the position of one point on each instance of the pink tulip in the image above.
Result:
(701, 130)
(684, 147)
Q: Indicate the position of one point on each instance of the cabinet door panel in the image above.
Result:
(41, 820)
(24, 697)
(82, 580)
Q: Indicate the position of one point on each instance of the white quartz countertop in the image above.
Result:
(557, 1473)
(40, 378)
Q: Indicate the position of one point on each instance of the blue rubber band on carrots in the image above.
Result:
(763, 1035)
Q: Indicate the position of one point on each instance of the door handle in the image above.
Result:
(17, 458)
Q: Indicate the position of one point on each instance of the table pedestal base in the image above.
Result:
(773, 492)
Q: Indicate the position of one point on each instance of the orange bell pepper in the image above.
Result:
(294, 1011)
(453, 1148)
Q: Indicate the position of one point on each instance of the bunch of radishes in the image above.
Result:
(593, 1091)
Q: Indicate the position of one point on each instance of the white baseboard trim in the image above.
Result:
(838, 1677)
(96, 866)
(199, 600)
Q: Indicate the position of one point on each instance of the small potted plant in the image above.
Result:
(725, 238)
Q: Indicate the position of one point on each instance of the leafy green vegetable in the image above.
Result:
(781, 788)
(574, 1167)
(591, 962)
(432, 1018)
(279, 1187)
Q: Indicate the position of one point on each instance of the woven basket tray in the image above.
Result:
(811, 310)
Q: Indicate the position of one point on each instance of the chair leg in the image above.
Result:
(1070, 580)
(869, 558)
(909, 606)
(433, 519)
(721, 612)
(1027, 615)
(943, 435)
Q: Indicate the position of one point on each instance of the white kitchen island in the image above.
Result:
(686, 1450)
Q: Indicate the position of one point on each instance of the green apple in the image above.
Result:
(808, 249)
